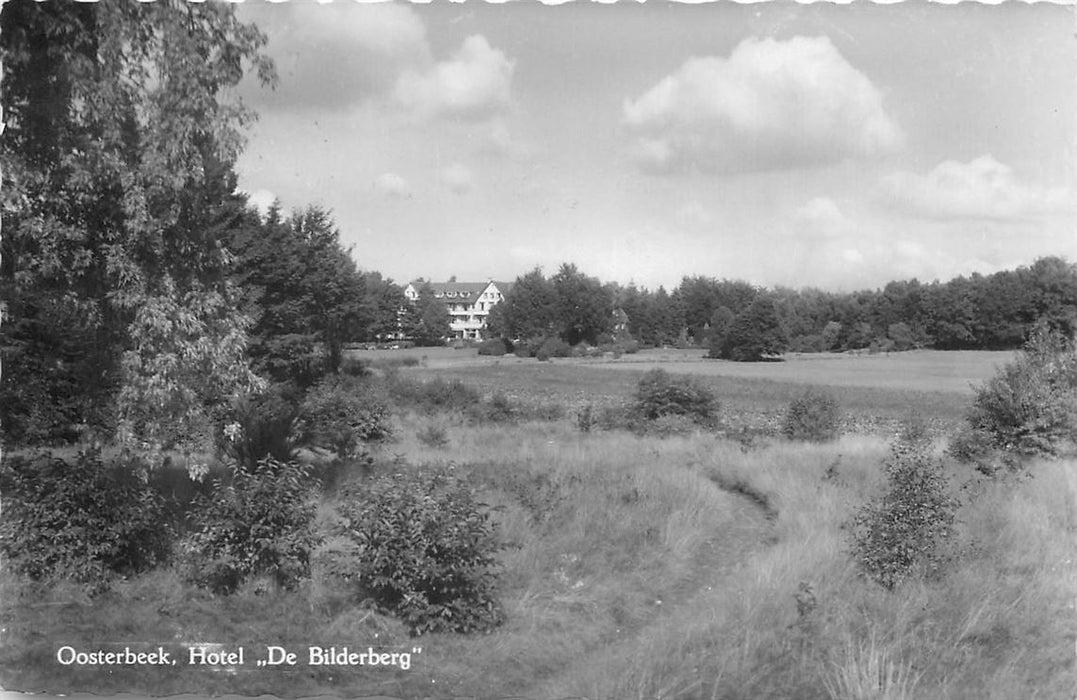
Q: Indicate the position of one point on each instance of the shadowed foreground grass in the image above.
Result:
(631, 571)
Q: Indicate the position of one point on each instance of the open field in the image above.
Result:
(923, 370)
(874, 390)
(643, 567)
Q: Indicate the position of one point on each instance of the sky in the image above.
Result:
(834, 146)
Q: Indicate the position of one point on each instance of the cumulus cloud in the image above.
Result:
(983, 188)
(821, 218)
(392, 186)
(475, 84)
(332, 55)
(770, 105)
(458, 178)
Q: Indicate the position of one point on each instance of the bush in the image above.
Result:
(423, 549)
(434, 396)
(495, 347)
(661, 394)
(259, 524)
(812, 417)
(908, 527)
(79, 519)
(553, 347)
(1030, 407)
(263, 425)
(343, 415)
(586, 418)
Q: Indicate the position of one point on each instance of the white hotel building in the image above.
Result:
(469, 304)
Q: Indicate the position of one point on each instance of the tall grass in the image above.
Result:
(632, 571)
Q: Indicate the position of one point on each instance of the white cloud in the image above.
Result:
(332, 55)
(770, 105)
(458, 178)
(822, 218)
(392, 186)
(475, 84)
(983, 188)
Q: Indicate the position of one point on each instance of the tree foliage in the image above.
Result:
(304, 293)
(117, 180)
(755, 334)
(426, 320)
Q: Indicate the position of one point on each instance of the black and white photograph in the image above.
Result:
(594, 350)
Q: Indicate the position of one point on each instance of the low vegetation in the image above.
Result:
(813, 416)
(85, 518)
(909, 526)
(260, 523)
(421, 548)
(1027, 409)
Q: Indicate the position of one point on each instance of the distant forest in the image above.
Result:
(981, 312)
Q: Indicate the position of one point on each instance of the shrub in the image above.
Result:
(661, 394)
(433, 435)
(495, 347)
(812, 417)
(434, 396)
(586, 418)
(80, 519)
(423, 549)
(498, 409)
(1030, 406)
(909, 525)
(262, 425)
(526, 348)
(260, 523)
(553, 347)
(343, 416)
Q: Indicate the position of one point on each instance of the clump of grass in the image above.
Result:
(867, 671)
(433, 435)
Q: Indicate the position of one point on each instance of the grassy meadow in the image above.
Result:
(692, 566)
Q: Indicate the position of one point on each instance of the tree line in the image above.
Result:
(740, 321)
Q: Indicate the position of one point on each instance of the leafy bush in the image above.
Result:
(260, 523)
(661, 394)
(80, 519)
(423, 549)
(344, 415)
(434, 396)
(553, 347)
(1030, 406)
(262, 425)
(495, 347)
(908, 526)
(812, 417)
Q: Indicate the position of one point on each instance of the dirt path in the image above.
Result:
(731, 542)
